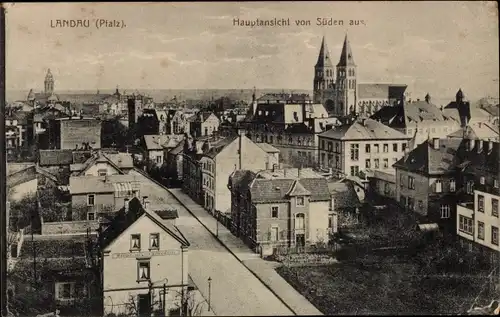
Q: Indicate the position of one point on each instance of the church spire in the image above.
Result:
(324, 55)
(346, 57)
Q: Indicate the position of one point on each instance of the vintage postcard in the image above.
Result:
(250, 158)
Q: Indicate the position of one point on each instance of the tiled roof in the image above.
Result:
(478, 131)
(160, 142)
(216, 148)
(344, 194)
(380, 91)
(124, 219)
(178, 149)
(364, 129)
(268, 148)
(298, 189)
(284, 97)
(425, 159)
(167, 214)
(122, 160)
(275, 190)
(240, 179)
(54, 246)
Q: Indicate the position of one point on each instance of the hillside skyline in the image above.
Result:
(436, 47)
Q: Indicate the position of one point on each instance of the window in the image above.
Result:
(420, 204)
(494, 235)
(65, 290)
(411, 203)
(403, 146)
(354, 152)
(445, 211)
(143, 270)
(495, 183)
(275, 234)
(368, 163)
(494, 207)
(367, 148)
(466, 225)
(481, 180)
(386, 148)
(480, 203)
(102, 172)
(438, 187)
(330, 147)
(300, 201)
(154, 241)
(91, 216)
(480, 230)
(401, 181)
(322, 144)
(300, 222)
(470, 187)
(376, 148)
(91, 200)
(377, 165)
(337, 161)
(332, 203)
(135, 242)
(452, 185)
(394, 147)
(411, 182)
(386, 163)
(274, 212)
(337, 147)
(354, 170)
(387, 188)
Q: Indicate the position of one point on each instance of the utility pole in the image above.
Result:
(209, 295)
(164, 299)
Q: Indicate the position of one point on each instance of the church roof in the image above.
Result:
(324, 55)
(346, 57)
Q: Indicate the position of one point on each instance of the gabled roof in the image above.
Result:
(298, 189)
(164, 141)
(364, 129)
(268, 148)
(477, 131)
(177, 149)
(124, 219)
(101, 157)
(424, 159)
(217, 147)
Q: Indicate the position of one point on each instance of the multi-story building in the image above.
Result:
(221, 158)
(421, 117)
(156, 147)
(439, 173)
(280, 208)
(341, 93)
(291, 123)
(478, 131)
(478, 219)
(16, 130)
(203, 124)
(137, 247)
(363, 144)
(75, 132)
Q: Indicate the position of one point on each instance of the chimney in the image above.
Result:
(479, 146)
(144, 199)
(435, 143)
(145, 205)
(126, 201)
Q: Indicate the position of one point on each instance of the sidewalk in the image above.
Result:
(263, 270)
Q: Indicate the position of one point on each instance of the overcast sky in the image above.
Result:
(434, 47)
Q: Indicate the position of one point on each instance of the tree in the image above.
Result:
(192, 305)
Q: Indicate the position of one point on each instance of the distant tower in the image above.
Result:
(49, 83)
(463, 107)
(324, 79)
(346, 84)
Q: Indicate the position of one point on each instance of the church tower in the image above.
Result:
(324, 79)
(346, 83)
(49, 83)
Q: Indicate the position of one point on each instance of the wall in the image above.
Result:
(24, 189)
(153, 154)
(487, 218)
(101, 200)
(211, 124)
(94, 169)
(420, 193)
(265, 221)
(74, 132)
(318, 221)
(253, 158)
(434, 129)
(121, 273)
(68, 227)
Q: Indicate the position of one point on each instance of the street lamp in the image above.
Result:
(209, 286)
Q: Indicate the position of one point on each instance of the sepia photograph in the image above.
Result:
(250, 158)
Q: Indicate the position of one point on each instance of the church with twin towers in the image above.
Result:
(338, 89)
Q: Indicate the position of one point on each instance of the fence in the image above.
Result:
(223, 218)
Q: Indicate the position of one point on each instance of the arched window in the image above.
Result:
(300, 223)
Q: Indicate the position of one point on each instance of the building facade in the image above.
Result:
(275, 208)
(137, 248)
(361, 145)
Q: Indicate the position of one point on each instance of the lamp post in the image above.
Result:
(209, 286)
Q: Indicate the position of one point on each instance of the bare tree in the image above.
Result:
(188, 304)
